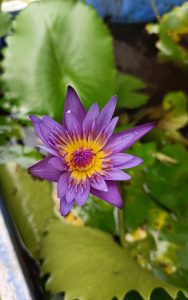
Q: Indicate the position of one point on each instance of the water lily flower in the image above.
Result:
(84, 155)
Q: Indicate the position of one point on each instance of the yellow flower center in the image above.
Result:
(84, 158)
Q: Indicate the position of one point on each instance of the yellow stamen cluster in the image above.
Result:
(94, 166)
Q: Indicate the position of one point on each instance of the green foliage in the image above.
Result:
(29, 201)
(24, 156)
(129, 91)
(98, 214)
(71, 46)
(88, 264)
(5, 21)
(175, 106)
(164, 181)
(172, 30)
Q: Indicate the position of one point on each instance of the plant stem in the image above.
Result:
(155, 9)
(121, 227)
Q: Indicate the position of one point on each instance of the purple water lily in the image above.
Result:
(84, 155)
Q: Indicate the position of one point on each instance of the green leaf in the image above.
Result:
(88, 264)
(56, 43)
(168, 182)
(5, 21)
(24, 156)
(176, 114)
(129, 91)
(172, 30)
(29, 201)
(97, 213)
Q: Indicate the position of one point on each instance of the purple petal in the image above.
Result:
(82, 194)
(46, 131)
(118, 143)
(52, 124)
(62, 185)
(72, 122)
(99, 184)
(73, 104)
(57, 163)
(112, 196)
(90, 117)
(36, 124)
(137, 132)
(70, 194)
(120, 158)
(135, 161)
(44, 170)
(65, 207)
(106, 114)
(49, 150)
(116, 174)
(110, 128)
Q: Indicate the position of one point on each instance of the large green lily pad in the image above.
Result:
(56, 43)
(88, 264)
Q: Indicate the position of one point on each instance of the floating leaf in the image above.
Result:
(70, 46)
(87, 264)
(129, 91)
(29, 201)
(5, 21)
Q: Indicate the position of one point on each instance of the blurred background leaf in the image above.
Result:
(129, 91)
(172, 30)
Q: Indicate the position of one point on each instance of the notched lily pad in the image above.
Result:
(88, 264)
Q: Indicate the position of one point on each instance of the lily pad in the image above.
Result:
(29, 201)
(5, 21)
(86, 264)
(51, 47)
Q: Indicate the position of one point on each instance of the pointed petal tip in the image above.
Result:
(34, 118)
(114, 100)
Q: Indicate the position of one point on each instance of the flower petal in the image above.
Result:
(82, 194)
(62, 185)
(57, 163)
(110, 128)
(112, 196)
(119, 143)
(135, 161)
(49, 150)
(70, 194)
(73, 104)
(65, 207)
(90, 117)
(119, 158)
(136, 132)
(73, 124)
(36, 124)
(116, 174)
(106, 113)
(44, 170)
(52, 124)
(99, 184)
